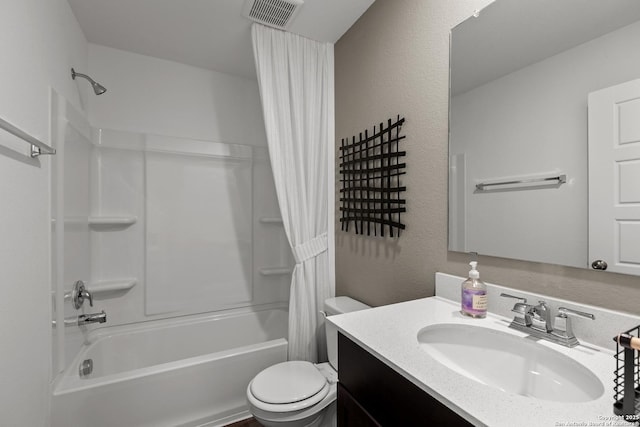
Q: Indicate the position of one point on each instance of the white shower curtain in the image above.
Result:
(295, 80)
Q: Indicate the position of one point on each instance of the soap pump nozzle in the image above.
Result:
(473, 273)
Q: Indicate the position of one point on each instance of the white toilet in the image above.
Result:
(298, 393)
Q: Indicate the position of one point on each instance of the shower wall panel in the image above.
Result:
(201, 228)
(198, 231)
(76, 201)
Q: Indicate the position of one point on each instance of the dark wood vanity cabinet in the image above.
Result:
(370, 393)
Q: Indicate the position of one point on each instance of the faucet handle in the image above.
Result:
(87, 294)
(523, 314)
(79, 293)
(521, 309)
(564, 311)
(562, 324)
(524, 300)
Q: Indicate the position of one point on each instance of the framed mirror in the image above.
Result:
(544, 133)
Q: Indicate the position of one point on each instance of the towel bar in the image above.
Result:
(37, 147)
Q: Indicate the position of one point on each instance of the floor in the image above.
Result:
(250, 422)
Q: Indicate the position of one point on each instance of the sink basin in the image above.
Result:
(510, 363)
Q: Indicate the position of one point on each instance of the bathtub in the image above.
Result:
(182, 372)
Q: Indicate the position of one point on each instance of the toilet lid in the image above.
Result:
(287, 382)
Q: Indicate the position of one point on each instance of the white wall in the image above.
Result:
(499, 144)
(156, 96)
(378, 75)
(40, 41)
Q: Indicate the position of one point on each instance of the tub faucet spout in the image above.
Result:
(85, 319)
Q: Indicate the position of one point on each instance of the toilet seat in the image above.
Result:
(287, 387)
(289, 407)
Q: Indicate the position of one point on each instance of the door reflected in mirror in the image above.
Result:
(544, 136)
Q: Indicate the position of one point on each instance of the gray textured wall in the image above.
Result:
(395, 60)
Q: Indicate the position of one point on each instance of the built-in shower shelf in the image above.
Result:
(106, 286)
(270, 220)
(102, 221)
(72, 220)
(276, 271)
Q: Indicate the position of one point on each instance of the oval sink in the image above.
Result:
(510, 363)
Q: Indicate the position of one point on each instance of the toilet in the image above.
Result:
(299, 393)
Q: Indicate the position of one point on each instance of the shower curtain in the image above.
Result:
(295, 76)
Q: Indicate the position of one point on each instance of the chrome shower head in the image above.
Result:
(98, 89)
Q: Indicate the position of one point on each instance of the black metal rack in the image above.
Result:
(370, 171)
(626, 382)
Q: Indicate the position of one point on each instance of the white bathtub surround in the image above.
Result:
(171, 372)
(118, 243)
(391, 334)
(207, 247)
(295, 77)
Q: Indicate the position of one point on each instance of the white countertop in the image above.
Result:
(390, 333)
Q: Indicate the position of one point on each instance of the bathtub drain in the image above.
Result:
(86, 367)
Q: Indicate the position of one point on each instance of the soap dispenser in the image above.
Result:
(474, 294)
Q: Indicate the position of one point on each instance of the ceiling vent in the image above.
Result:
(275, 13)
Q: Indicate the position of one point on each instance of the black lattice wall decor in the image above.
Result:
(370, 171)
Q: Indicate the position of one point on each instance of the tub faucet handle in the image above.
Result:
(87, 294)
(79, 294)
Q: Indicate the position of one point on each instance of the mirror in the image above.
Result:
(522, 171)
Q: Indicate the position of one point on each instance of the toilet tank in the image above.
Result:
(333, 306)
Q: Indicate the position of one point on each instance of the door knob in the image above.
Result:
(599, 265)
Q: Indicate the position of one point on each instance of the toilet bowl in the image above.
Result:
(299, 393)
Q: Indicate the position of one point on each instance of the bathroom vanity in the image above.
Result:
(372, 393)
(395, 370)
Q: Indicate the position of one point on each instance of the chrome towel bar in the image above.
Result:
(560, 179)
(37, 147)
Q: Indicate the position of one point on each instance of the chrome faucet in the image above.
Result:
(541, 317)
(536, 321)
(78, 294)
(85, 319)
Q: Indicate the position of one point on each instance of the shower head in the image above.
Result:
(98, 89)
